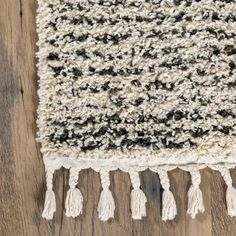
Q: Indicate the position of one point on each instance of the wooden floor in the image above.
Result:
(22, 178)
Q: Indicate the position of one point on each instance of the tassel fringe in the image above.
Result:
(169, 210)
(231, 201)
(74, 198)
(106, 204)
(138, 198)
(50, 201)
(195, 200)
(49, 205)
(74, 202)
(138, 202)
(230, 192)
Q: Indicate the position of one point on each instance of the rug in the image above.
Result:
(136, 85)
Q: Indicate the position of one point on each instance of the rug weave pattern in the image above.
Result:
(139, 74)
(137, 84)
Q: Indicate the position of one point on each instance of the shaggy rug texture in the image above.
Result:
(137, 84)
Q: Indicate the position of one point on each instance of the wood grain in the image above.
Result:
(22, 178)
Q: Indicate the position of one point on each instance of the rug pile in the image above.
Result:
(136, 85)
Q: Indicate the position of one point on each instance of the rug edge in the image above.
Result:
(106, 203)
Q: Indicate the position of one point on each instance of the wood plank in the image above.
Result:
(22, 177)
(222, 224)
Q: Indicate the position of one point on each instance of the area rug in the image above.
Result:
(136, 85)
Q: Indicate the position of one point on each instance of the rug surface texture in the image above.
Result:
(135, 85)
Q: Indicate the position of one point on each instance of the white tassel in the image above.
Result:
(50, 201)
(230, 193)
(169, 210)
(138, 198)
(49, 205)
(106, 204)
(74, 198)
(195, 200)
(138, 201)
(231, 201)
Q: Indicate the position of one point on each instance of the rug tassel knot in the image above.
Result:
(195, 199)
(74, 198)
(230, 192)
(106, 204)
(169, 210)
(138, 198)
(50, 200)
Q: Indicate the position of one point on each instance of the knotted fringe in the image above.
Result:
(106, 204)
(50, 201)
(169, 210)
(74, 198)
(138, 198)
(195, 200)
(230, 193)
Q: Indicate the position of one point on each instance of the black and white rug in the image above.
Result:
(137, 84)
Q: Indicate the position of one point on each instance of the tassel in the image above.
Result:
(231, 201)
(195, 200)
(169, 210)
(106, 204)
(74, 198)
(230, 193)
(50, 201)
(138, 198)
(138, 201)
(49, 205)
